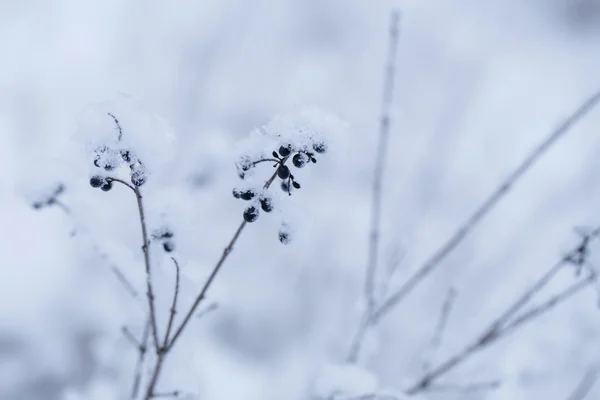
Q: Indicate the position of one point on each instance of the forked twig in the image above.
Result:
(146, 251)
(432, 263)
(503, 326)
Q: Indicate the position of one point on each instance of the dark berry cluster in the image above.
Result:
(50, 199)
(259, 200)
(109, 159)
(101, 182)
(300, 156)
(165, 236)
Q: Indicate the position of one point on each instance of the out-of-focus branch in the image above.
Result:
(438, 334)
(586, 384)
(501, 191)
(503, 326)
(384, 132)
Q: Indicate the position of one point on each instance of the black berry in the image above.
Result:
(126, 155)
(285, 150)
(138, 177)
(236, 193)
(283, 172)
(247, 195)
(299, 160)
(96, 181)
(266, 204)
(109, 167)
(251, 214)
(107, 186)
(296, 184)
(284, 237)
(168, 246)
(37, 205)
(97, 162)
(320, 147)
(285, 186)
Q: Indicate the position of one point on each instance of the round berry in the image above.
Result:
(285, 151)
(285, 186)
(138, 177)
(284, 237)
(283, 172)
(96, 181)
(247, 195)
(320, 147)
(251, 214)
(107, 186)
(299, 160)
(37, 205)
(168, 246)
(266, 204)
(109, 167)
(126, 155)
(236, 193)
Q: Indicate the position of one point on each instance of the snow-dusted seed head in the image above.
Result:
(286, 144)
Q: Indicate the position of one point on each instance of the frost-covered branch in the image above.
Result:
(505, 324)
(384, 132)
(488, 205)
(142, 347)
(146, 251)
(174, 306)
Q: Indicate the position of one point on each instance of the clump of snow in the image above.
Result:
(114, 131)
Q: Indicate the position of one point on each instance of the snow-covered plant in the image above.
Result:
(288, 144)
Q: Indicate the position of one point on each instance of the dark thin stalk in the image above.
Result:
(174, 306)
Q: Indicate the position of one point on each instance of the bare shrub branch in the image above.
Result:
(384, 132)
(503, 189)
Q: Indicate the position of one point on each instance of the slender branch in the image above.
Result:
(146, 251)
(546, 306)
(174, 306)
(584, 387)
(129, 336)
(438, 334)
(121, 278)
(501, 327)
(174, 393)
(472, 387)
(118, 126)
(164, 350)
(487, 206)
(140, 362)
(384, 131)
(207, 310)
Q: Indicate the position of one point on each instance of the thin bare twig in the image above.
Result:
(438, 334)
(146, 251)
(584, 387)
(129, 336)
(118, 126)
(468, 388)
(501, 326)
(212, 307)
(143, 346)
(384, 131)
(487, 206)
(163, 351)
(174, 393)
(174, 306)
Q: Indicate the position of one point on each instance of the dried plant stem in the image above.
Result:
(503, 326)
(146, 251)
(174, 306)
(384, 132)
(487, 206)
(142, 348)
(199, 298)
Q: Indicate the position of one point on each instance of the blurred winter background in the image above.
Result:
(478, 84)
